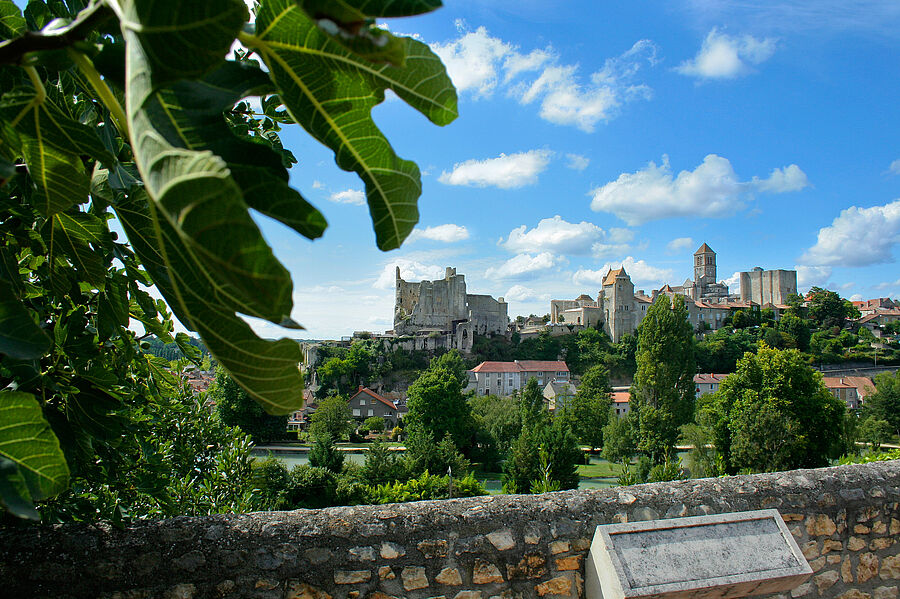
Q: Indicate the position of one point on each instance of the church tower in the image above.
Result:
(704, 268)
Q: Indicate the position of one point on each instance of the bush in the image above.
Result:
(427, 486)
(312, 487)
(271, 480)
(325, 454)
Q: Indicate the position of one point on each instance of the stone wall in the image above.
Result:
(845, 519)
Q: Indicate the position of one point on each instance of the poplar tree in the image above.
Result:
(663, 393)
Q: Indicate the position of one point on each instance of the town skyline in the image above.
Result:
(625, 136)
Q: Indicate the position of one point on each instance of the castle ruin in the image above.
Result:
(443, 307)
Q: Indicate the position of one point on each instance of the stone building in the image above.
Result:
(768, 286)
(444, 308)
(506, 378)
(704, 285)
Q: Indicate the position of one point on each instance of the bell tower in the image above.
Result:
(704, 268)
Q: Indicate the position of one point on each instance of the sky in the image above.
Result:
(598, 134)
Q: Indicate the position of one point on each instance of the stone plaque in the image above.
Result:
(708, 557)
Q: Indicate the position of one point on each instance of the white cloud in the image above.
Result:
(888, 284)
(523, 266)
(710, 190)
(480, 63)
(349, 196)
(789, 178)
(725, 57)
(410, 270)
(473, 60)
(681, 243)
(734, 282)
(554, 235)
(895, 167)
(808, 276)
(856, 297)
(506, 171)
(520, 293)
(857, 237)
(577, 162)
(638, 270)
(326, 289)
(448, 233)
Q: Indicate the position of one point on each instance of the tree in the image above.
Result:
(618, 439)
(797, 328)
(332, 418)
(828, 309)
(875, 432)
(531, 405)
(437, 407)
(662, 395)
(235, 408)
(884, 404)
(497, 423)
(453, 362)
(588, 412)
(164, 142)
(374, 424)
(775, 413)
(325, 454)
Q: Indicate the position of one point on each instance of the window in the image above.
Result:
(362, 401)
(356, 412)
(371, 412)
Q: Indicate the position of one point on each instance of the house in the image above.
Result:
(850, 389)
(506, 378)
(365, 403)
(621, 403)
(558, 394)
(707, 383)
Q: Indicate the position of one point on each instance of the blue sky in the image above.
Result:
(594, 134)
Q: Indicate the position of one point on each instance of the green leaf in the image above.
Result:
(266, 369)
(331, 91)
(27, 440)
(81, 237)
(12, 24)
(20, 337)
(190, 351)
(50, 143)
(189, 115)
(349, 11)
(179, 40)
(14, 494)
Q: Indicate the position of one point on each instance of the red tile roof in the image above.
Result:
(709, 379)
(497, 367)
(610, 277)
(374, 395)
(523, 366)
(621, 396)
(704, 249)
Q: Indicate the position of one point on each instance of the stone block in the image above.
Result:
(890, 567)
(855, 544)
(561, 585)
(485, 572)
(468, 595)
(301, 590)
(829, 545)
(351, 576)
(414, 578)
(559, 547)
(532, 565)
(847, 570)
(449, 576)
(826, 580)
(881, 543)
(386, 573)
(854, 594)
(392, 551)
(886, 593)
(433, 548)
(362, 554)
(572, 562)
(719, 556)
(867, 568)
(820, 525)
(501, 539)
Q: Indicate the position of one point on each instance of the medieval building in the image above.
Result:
(768, 286)
(442, 308)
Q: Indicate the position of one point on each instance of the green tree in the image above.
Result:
(497, 423)
(618, 439)
(114, 109)
(662, 395)
(453, 362)
(588, 412)
(797, 328)
(884, 404)
(332, 418)
(374, 424)
(437, 407)
(828, 309)
(531, 405)
(325, 454)
(775, 413)
(235, 408)
(875, 431)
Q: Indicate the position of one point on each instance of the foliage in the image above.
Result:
(235, 408)
(885, 456)
(828, 309)
(884, 404)
(775, 413)
(437, 407)
(183, 462)
(523, 465)
(332, 418)
(382, 465)
(875, 431)
(668, 470)
(131, 109)
(497, 423)
(311, 487)
(588, 412)
(453, 362)
(171, 350)
(374, 423)
(342, 375)
(544, 483)
(428, 486)
(720, 351)
(618, 438)
(532, 407)
(662, 396)
(271, 480)
(325, 454)
(423, 453)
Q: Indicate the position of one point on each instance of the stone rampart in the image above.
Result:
(845, 519)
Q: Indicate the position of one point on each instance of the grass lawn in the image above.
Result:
(600, 470)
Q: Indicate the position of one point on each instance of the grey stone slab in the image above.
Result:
(719, 556)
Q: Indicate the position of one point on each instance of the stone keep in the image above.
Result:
(443, 305)
(768, 286)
